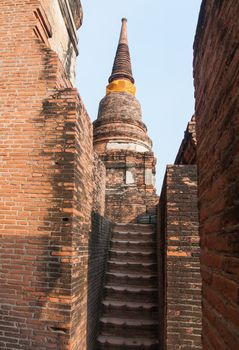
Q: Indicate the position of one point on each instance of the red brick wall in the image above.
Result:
(99, 240)
(187, 153)
(121, 141)
(99, 180)
(81, 144)
(127, 202)
(178, 258)
(216, 76)
(46, 192)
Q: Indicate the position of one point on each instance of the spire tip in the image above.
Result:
(122, 65)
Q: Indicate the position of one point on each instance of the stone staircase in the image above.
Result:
(130, 319)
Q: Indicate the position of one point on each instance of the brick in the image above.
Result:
(45, 172)
(216, 60)
(122, 143)
(179, 263)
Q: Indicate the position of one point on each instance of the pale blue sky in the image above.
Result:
(161, 35)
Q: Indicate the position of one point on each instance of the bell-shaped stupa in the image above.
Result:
(121, 140)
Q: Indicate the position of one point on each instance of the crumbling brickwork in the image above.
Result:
(128, 196)
(46, 188)
(54, 193)
(187, 153)
(216, 74)
(178, 260)
(99, 241)
(99, 184)
(124, 147)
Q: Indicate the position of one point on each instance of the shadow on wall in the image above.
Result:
(99, 248)
(38, 260)
(57, 131)
(99, 241)
(60, 292)
(75, 255)
(161, 234)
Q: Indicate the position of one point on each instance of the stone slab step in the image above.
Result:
(128, 327)
(117, 255)
(138, 246)
(128, 322)
(128, 293)
(134, 279)
(130, 305)
(115, 343)
(138, 310)
(133, 236)
(134, 228)
(131, 267)
(132, 289)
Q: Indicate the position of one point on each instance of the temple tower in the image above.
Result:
(121, 140)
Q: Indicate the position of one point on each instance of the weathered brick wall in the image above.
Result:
(98, 253)
(121, 141)
(82, 207)
(216, 73)
(99, 183)
(128, 195)
(46, 192)
(178, 257)
(119, 123)
(187, 153)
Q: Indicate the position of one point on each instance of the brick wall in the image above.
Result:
(121, 141)
(128, 196)
(216, 74)
(46, 192)
(99, 181)
(178, 257)
(81, 212)
(98, 253)
(187, 153)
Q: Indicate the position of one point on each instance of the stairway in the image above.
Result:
(130, 318)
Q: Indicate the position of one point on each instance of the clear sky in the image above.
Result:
(161, 34)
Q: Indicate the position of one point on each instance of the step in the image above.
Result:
(134, 228)
(128, 293)
(130, 308)
(133, 236)
(128, 327)
(127, 256)
(134, 245)
(147, 219)
(134, 279)
(115, 343)
(139, 310)
(131, 267)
